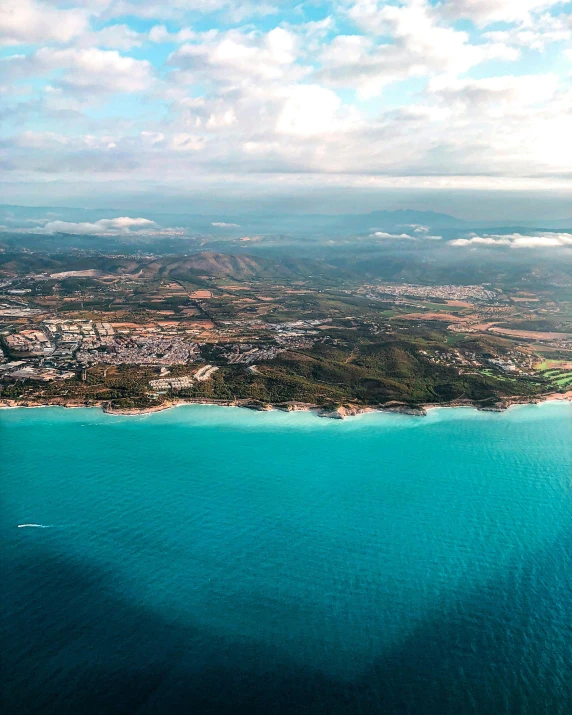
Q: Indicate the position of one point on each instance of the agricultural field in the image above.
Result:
(282, 331)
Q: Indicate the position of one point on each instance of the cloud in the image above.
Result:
(255, 116)
(222, 224)
(420, 45)
(421, 232)
(160, 34)
(383, 234)
(546, 29)
(101, 70)
(486, 12)
(517, 240)
(27, 21)
(86, 70)
(123, 225)
(500, 93)
(311, 110)
(174, 9)
(236, 58)
(189, 91)
(119, 37)
(177, 9)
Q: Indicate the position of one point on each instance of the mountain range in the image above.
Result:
(403, 221)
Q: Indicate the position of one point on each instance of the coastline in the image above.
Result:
(342, 412)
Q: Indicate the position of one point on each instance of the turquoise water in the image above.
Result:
(217, 560)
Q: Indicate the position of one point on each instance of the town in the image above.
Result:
(127, 334)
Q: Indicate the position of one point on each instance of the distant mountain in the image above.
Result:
(403, 218)
(551, 224)
(238, 267)
(25, 217)
(191, 268)
(289, 224)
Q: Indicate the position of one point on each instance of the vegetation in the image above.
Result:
(357, 346)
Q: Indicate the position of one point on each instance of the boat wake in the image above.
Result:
(34, 526)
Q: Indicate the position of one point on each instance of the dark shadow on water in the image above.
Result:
(71, 645)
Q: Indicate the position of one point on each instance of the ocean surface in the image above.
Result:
(216, 560)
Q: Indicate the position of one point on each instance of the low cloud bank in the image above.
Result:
(420, 231)
(517, 240)
(123, 225)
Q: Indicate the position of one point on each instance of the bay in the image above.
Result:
(209, 559)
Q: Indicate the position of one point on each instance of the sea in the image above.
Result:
(216, 560)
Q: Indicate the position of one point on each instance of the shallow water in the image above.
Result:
(209, 559)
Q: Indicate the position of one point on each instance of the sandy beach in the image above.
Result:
(341, 412)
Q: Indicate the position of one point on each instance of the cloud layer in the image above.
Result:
(415, 92)
(121, 226)
(517, 240)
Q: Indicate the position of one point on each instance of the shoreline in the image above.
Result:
(340, 413)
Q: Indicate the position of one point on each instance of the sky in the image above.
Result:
(381, 103)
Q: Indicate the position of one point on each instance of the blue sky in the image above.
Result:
(186, 96)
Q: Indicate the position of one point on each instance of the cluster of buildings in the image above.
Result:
(13, 307)
(42, 363)
(297, 327)
(450, 358)
(58, 347)
(298, 334)
(138, 350)
(514, 361)
(77, 329)
(171, 383)
(294, 342)
(21, 370)
(28, 343)
(181, 383)
(68, 335)
(503, 364)
(246, 354)
(203, 373)
(292, 335)
(16, 311)
(446, 292)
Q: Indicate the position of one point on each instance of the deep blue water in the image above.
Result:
(216, 560)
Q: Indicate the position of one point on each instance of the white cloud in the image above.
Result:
(286, 104)
(167, 10)
(176, 9)
(222, 224)
(420, 46)
(420, 231)
(545, 30)
(38, 140)
(311, 110)
(486, 12)
(87, 70)
(508, 89)
(152, 138)
(118, 37)
(236, 58)
(160, 34)
(123, 225)
(517, 240)
(186, 142)
(383, 234)
(27, 21)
